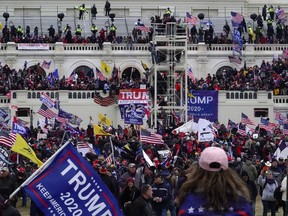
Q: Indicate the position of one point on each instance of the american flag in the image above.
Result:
(264, 123)
(242, 129)
(7, 139)
(235, 59)
(280, 14)
(250, 130)
(236, 19)
(142, 28)
(213, 130)
(191, 19)
(85, 145)
(20, 121)
(191, 75)
(285, 129)
(109, 159)
(104, 101)
(46, 64)
(13, 107)
(150, 137)
(46, 112)
(236, 47)
(231, 124)
(100, 75)
(246, 120)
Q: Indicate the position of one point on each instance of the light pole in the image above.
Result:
(60, 16)
(31, 119)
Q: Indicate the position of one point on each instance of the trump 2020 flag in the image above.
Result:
(70, 186)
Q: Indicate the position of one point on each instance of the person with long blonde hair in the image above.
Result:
(212, 188)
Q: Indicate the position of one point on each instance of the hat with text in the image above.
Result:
(213, 159)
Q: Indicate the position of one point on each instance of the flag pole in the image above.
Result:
(112, 148)
(38, 171)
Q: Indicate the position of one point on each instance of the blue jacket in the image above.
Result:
(194, 205)
(161, 190)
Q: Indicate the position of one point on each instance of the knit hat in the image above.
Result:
(213, 159)
(103, 170)
(130, 179)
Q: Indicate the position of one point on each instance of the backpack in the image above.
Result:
(278, 193)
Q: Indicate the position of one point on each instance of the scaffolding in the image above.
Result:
(168, 77)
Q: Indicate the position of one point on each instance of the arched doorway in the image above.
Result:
(37, 69)
(131, 73)
(224, 70)
(83, 71)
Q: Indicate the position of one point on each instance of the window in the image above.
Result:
(261, 112)
(23, 112)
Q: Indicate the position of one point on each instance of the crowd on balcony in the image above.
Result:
(268, 76)
(256, 32)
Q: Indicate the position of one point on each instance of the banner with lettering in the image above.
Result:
(203, 104)
(133, 105)
(70, 186)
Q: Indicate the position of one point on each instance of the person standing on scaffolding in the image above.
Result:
(82, 10)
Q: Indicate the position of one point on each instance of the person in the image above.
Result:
(36, 31)
(8, 184)
(51, 31)
(250, 169)
(162, 195)
(27, 31)
(94, 29)
(212, 188)
(128, 195)
(269, 185)
(78, 31)
(82, 9)
(93, 11)
(284, 194)
(130, 173)
(107, 8)
(19, 32)
(271, 12)
(276, 171)
(251, 187)
(264, 12)
(142, 205)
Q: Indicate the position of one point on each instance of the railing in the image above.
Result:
(280, 99)
(83, 94)
(144, 47)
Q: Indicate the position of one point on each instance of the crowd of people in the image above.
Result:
(251, 158)
(275, 32)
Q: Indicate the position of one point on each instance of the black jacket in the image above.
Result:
(141, 207)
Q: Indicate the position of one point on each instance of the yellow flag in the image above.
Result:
(1, 26)
(99, 131)
(21, 146)
(145, 67)
(105, 68)
(104, 120)
(127, 147)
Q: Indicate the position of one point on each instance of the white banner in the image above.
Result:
(33, 46)
(204, 131)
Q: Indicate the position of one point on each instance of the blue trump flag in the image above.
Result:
(70, 186)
